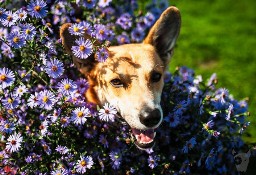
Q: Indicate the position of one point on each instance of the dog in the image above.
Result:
(132, 78)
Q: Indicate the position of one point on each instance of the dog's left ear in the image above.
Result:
(164, 33)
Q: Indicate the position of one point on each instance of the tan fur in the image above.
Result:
(133, 64)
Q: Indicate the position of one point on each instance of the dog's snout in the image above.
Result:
(151, 118)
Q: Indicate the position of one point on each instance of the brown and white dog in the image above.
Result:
(132, 78)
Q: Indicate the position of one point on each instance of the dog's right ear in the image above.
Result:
(68, 40)
(164, 33)
(234, 152)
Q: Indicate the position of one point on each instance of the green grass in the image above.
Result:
(219, 36)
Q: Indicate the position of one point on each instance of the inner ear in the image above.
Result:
(164, 33)
(68, 40)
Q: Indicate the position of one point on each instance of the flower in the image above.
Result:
(37, 8)
(83, 49)
(61, 171)
(10, 19)
(104, 141)
(87, 28)
(89, 3)
(104, 3)
(54, 68)
(33, 100)
(76, 29)
(62, 149)
(208, 125)
(11, 102)
(125, 21)
(116, 158)
(3, 14)
(152, 161)
(20, 90)
(123, 39)
(66, 87)
(6, 77)
(28, 31)
(14, 142)
(172, 119)
(102, 54)
(101, 33)
(80, 114)
(83, 164)
(137, 35)
(16, 40)
(107, 113)
(21, 14)
(46, 99)
(189, 145)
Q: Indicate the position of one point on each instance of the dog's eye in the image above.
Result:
(116, 83)
(155, 76)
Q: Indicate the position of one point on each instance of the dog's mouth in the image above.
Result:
(144, 138)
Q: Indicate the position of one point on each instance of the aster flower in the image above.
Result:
(116, 158)
(189, 145)
(33, 100)
(11, 102)
(89, 3)
(20, 90)
(6, 78)
(14, 142)
(6, 127)
(104, 3)
(149, 19)
(137, 35)
(103, 141)
(209, 125)
(21, 14)
(107, 113)
(83, 164)
(83, 49)
(123, 39)
(101, 32)
(102, 54)
(65, 121)
(28, 31)
(76, 29)
(3, 33)
(54, 68)
(82, 85)
(10, 19)
(37, 8)
(87, 28)
(16, 40)
(46, 99)
(125, 21)
(152, 161)
(172, 119)
(61, 171)
(62, 149)
(3, 14)
(141, 25)
(80, 114)
(66, 87)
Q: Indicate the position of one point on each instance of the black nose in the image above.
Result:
(151, 118)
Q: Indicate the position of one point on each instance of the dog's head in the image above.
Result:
(132, 78)
(241, 160)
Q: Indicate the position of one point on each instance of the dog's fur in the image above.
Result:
(132, 78)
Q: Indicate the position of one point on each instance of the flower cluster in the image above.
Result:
(46, 126)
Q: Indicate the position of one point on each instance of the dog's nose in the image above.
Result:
(151, 118)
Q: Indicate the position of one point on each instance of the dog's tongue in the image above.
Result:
(146, 136)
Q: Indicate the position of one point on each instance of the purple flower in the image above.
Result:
(11, 101)
(82, 85)
(141, 25)
(125, 21)
(86, 27)
(137, 35)
(83, 49)
(54, 68)
(10, 19)
(189, 145)
(102, 54)
(6, 127)
(21, 14)
(107, 113)
(208, 125)
(80, 114)
(104, 3)
(3, 33)
(7, 51)
(116, 158)
(16, 40)
(103, 141)
(37, 8)
(33, 100)
(66, 87)
(101, 32)
(3, 14)
(83, 164)
(172, 119)
(14, 142)
(61, 171)
(152, 161)
(76, 29)
(20, 90)
(123, 39)
(6, 78)
(89, 3)
(28, 31)
(149, 19)
(46, 99)
(62, 149)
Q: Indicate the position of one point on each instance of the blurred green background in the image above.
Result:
(219, 36)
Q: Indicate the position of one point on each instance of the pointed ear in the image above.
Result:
(233, 152)
(248, 153)
(68, 40)
(164, 33)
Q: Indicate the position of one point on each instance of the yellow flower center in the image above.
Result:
(89, 1)
(76, 29)
(81, 48)
(101, 32)
(37, 8)
(45, 99)
(28, 31)
(10, 100)
(7, 126)
(80, 114)
(83, 163)
(3, 77)
(67, 87)
(16, 39)
(54, 68)
(21, 15)
(9, 18)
